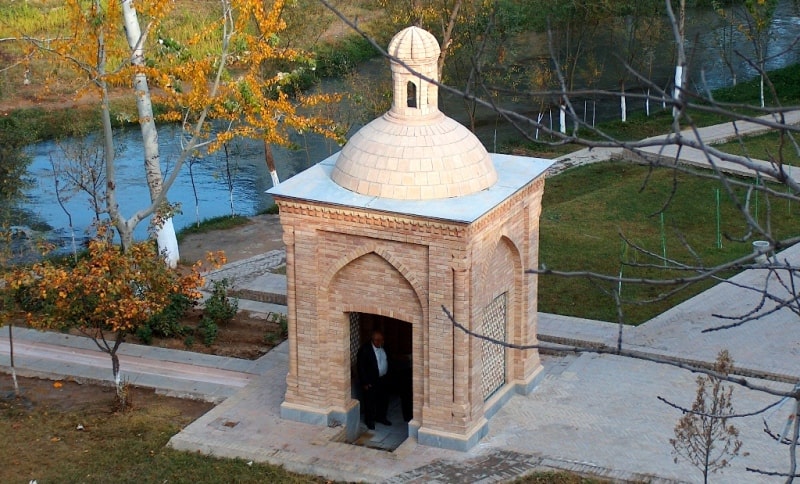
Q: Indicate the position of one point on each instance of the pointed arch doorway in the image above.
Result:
(399, 346)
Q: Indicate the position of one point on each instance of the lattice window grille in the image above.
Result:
(355, 336)
(494, 355)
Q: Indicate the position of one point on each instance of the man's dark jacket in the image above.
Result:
(367, 365)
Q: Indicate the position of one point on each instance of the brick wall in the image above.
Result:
(343, 260)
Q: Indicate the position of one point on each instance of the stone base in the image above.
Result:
(520, 387)
(448, 440)
(349, 417)
(525, 387)
(413, 429)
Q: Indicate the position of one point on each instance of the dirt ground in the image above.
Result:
(69, 395)
(262, 234)
(247, 336)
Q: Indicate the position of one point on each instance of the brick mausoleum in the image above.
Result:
(413, 214)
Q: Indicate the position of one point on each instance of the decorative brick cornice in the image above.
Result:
(386, 221)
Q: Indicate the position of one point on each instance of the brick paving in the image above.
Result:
(495, 466)
(590, 414)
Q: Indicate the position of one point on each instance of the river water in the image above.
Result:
(207, 193)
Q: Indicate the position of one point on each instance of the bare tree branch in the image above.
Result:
(733, 415)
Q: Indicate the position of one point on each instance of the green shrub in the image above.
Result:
(283, 322)
(144, 334)
(208, 330)
(167, 323)
(219, 308)
(271, 210)
(272, 337)
(339, 58)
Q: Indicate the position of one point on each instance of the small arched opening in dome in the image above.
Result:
(411, 94)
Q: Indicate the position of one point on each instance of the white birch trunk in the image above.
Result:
(165, 234)
(168, 242)
(275, 180)
(679, 67)
(623, 108)
(562, 119)
(676, 94)
(539, 122)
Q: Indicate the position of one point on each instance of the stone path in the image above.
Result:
(592, 414)
(177, 373)
(667, 153)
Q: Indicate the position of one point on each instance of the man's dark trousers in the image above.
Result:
(374, 388)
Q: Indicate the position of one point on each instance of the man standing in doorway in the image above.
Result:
(373, 365)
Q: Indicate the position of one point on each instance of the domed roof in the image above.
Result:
(414, 44)
(414, 152)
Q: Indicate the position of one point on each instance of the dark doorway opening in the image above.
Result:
(399, 348)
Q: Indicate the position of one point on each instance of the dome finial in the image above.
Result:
(412, 95)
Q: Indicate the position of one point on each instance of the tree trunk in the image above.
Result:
(562, 118)
(124, 229)
(793, 445)
(680, 68)
(623, 106)
(122, 398)
(165, 234)
(273, 173)
(447, 37)
(11, 358)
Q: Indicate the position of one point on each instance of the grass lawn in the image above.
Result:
(587, 209)
(41, 441)
(215, 223)
(767, 147)
(557, 478)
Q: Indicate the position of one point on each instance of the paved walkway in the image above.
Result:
(583, 416)
(668, 153)
(177, 373)
(594, 414)
(590, 413)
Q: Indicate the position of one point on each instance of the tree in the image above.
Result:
(236, 85)
(703, 435)
(724, 39)
(667, 276)
(570, 28)
(638, 29)
(756, 25)
(233, 89)
(13, 165)
(165, 230)
(106, 295)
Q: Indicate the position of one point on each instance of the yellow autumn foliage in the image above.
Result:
(105, 290)
(255, 97)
